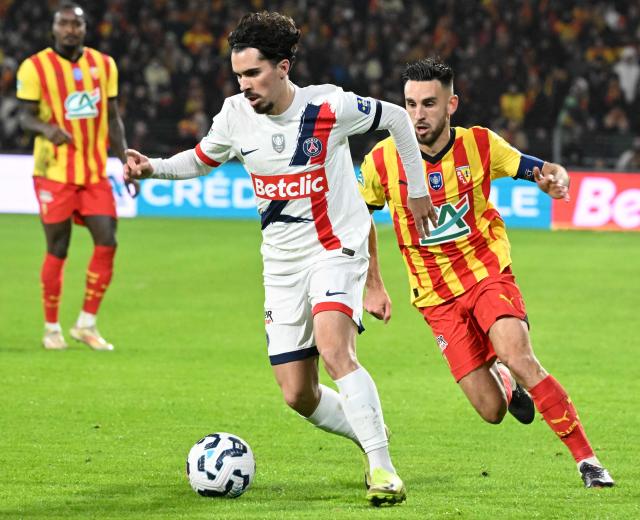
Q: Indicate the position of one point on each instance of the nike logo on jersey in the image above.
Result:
(243, 153)
(329, 293)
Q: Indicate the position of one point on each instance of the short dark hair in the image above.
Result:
(273, 34)
(428, 69)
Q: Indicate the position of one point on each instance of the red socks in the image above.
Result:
(558, 411)
(51, 278)
(98, 277)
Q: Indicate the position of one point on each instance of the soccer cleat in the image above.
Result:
(386, 488)
(90, 336)
(521, 405)
(54, 340)
(367, 476)
(595, 476)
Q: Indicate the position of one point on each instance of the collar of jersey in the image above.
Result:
(433, 159)
(67, 59)
(291, 108)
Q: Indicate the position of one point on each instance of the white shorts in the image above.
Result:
(333, 283)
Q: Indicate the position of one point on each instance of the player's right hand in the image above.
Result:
(377, 303)
(57, 135)
(137, 166)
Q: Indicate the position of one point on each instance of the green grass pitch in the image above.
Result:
(105, 435)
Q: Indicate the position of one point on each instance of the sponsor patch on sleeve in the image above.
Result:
(364, 105)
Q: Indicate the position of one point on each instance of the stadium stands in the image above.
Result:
(557, 79)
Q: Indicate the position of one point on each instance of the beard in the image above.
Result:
(264, 108)
(431, 137)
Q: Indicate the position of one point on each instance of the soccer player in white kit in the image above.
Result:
(293, 143)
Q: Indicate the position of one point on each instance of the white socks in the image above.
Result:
(329, 415)
(52, 327)
(362, 409)
(86, 319)
(590, 460)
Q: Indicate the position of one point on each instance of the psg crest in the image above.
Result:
(312, 147)
(277, 141)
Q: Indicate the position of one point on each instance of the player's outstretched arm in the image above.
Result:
(397, 121)
(183, 165)
(376, 299)
(553, 179)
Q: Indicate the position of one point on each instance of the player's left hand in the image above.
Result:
(377, 303)
(133, 187)
(553, 179)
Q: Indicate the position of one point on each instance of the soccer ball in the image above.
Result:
(220, 464)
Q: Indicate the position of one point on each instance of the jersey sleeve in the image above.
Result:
(370, 186)
(28, 83)
(112, 79)
(358, 114)
(505, 159)
(215, 147)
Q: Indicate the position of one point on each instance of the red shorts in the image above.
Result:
(461, 326)
(60, 201)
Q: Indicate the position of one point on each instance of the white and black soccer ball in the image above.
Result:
(220, 464)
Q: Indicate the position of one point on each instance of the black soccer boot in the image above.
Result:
(521, 405)
(595, 476)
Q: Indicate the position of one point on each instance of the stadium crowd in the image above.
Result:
(528, 68)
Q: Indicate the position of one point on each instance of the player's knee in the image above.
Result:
(59, 247)
(492, 411)
(301, 401)
(495, 415)
(339, 362)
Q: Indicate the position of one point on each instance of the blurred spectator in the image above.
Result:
(575, 119)
(630, 160)
(628, 70)
(512, 104)
(516, 62)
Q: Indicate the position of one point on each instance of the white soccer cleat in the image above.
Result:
(54, 340)
(90, 336)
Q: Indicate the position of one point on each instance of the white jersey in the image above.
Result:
(301, 168)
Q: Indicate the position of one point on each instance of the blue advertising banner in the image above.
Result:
(227, 193)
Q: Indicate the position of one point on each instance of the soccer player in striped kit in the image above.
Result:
(68, 99)
(293, 142)
(460, 277)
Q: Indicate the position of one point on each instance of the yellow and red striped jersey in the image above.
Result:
(73, 96)
(470, 242)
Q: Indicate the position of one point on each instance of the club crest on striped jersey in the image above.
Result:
(82, 104)
(435, 180)
(312, 146)
(451, 223)
(278, 143)
(463, 173)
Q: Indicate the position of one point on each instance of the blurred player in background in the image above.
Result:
(293, 142)
(68, 99)
(460, 276)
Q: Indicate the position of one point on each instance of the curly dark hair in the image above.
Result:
(273, 34)
(428, 69)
